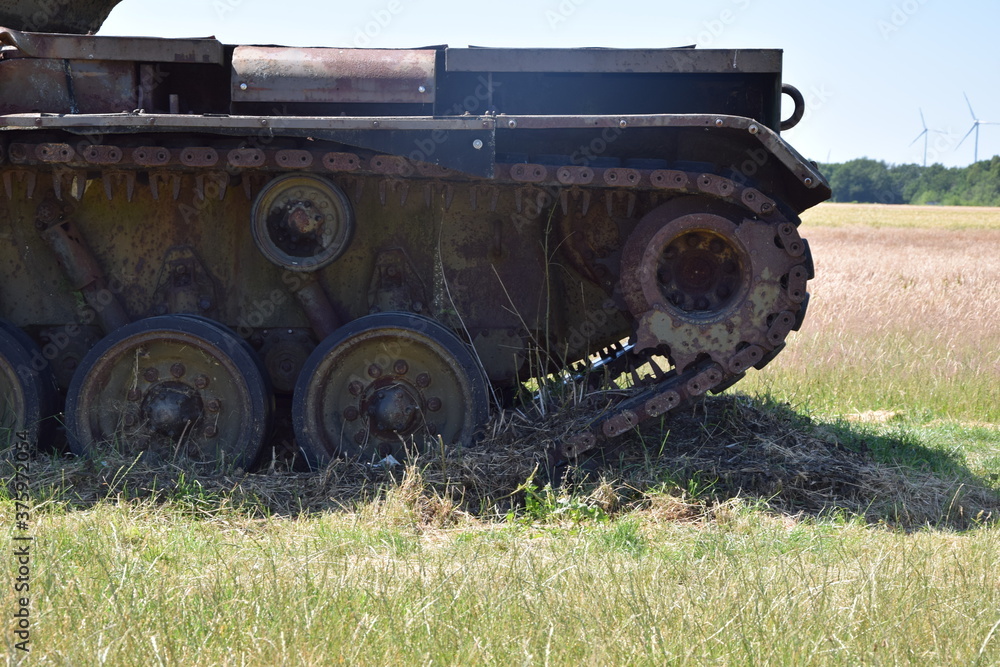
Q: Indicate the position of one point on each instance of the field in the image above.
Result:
(838, 508)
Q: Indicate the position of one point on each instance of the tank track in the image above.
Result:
(217, 165)
(119, 164)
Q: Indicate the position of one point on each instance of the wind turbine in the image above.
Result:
(975, 126)
(924, 134)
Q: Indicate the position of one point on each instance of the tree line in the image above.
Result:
(865, 180)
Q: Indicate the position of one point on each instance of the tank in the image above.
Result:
(205, 248)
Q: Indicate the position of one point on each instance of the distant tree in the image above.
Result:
(865, 180)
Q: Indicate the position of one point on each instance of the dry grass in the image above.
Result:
(898, 318)
(717, 450)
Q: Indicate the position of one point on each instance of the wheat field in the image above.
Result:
(902, 217)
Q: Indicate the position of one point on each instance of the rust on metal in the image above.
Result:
(797, 277)
(781, 327)
(294, 159)
(575, 175)
(620, 423)
(790, 239)
(102, 155)
(196, 156)
(757, 202)
(272, 74)
(185, 284)
(428, 170)
(82, 270)
(151, 156)
(662, 403)
(745, 358)
(528, 173)
(54, 152)
(715, 185)
(317, 307)
(90, 47)
(669, 179)
(622, 177)
(112, 178)
(246, 157)
(704, 381)
(336, 161)
(389, 165)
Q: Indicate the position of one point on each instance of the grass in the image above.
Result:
(675, 582)
(842, 513)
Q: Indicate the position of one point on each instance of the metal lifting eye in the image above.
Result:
(800, 106)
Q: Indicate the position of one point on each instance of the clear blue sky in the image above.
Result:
(865, 66)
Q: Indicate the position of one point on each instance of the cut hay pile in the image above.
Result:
(718, 449)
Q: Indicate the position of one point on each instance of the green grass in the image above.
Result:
(898, 372)
(743, 588)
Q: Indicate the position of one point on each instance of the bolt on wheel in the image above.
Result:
(388, 384)
(27, 390)
(172, 386)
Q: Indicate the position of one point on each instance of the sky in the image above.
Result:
(866, 67)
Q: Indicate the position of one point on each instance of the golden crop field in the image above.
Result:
(911, 217)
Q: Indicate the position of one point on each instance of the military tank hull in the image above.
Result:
(388, 241)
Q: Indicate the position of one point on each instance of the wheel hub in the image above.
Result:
(700, 272)
(296, 229)
(303, 220)
(171, 408)
(388, 383)
(393, 409)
